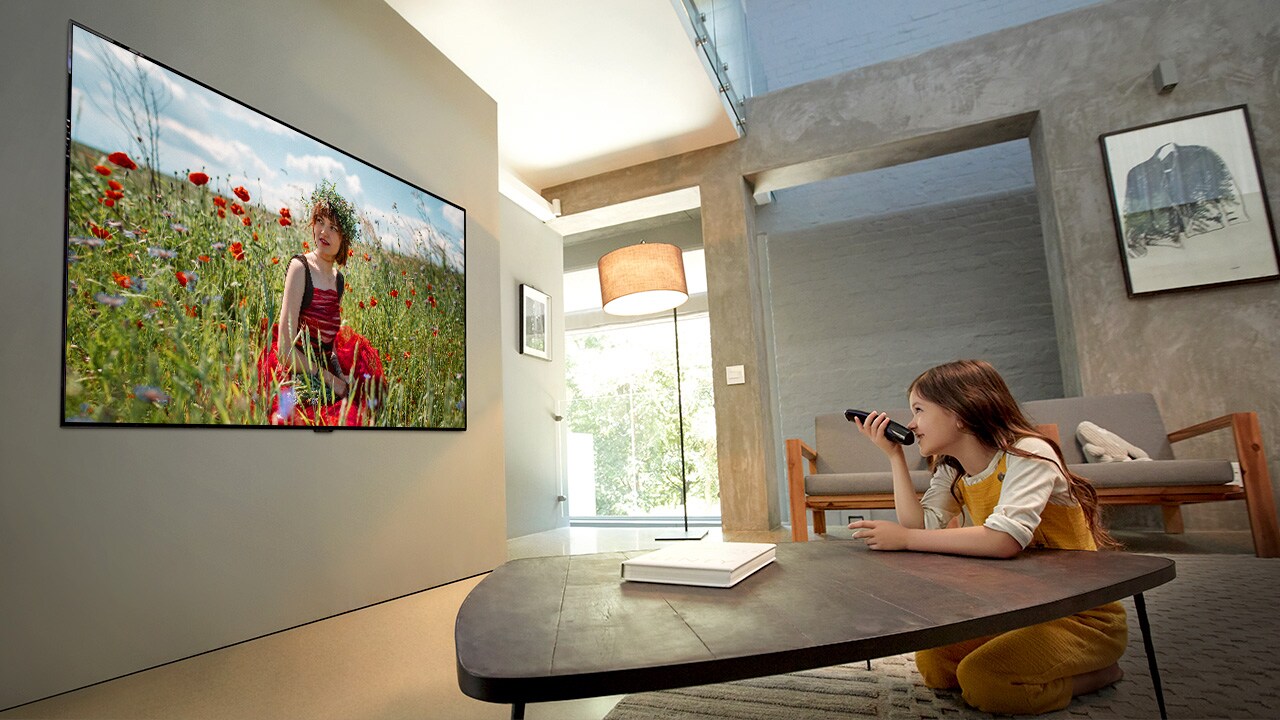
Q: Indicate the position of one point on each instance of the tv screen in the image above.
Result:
(224, 269)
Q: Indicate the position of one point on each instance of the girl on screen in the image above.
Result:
(319, 371)
(988, 459)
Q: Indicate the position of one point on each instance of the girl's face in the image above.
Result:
(937, 429)
(327, 237)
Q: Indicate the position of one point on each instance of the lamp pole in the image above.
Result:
(684, 481)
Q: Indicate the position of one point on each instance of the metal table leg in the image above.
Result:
(517, 711)
(1141, 605)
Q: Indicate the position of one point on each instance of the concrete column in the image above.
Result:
(745, 426)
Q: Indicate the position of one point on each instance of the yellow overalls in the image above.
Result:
(1029, 670)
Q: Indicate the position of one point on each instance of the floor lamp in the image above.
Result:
(640, 280)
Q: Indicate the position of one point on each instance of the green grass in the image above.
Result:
(191, 352)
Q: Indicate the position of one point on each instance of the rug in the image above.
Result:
(1215, 629)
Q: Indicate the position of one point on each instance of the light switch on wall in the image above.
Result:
(735, 375)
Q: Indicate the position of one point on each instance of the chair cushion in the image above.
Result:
(1156, 473)
(860, 483)
(1133, 416)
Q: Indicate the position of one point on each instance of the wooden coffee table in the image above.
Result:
(565, 627)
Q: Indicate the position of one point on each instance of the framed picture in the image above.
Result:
(1189, 203)
(535, 314)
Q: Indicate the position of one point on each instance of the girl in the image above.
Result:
(989, 460)
(326, 373)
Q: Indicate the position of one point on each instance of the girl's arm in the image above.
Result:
(979, 541)
(905, 502)
(291, 356)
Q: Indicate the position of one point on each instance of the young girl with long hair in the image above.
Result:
(988, 459)
(319, 371)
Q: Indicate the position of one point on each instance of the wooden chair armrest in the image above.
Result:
(1253, 470)
(797, 454)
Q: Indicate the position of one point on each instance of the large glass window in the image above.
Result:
(624, 433)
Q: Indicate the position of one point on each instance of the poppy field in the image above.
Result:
(173, 283)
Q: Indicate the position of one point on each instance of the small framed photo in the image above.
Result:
(535, 322)
(1189, 203)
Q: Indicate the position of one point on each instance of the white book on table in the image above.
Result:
(710, 564)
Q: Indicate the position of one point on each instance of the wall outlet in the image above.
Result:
(853, 518)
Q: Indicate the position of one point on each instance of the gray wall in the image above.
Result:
(124, 548)
(532, 254)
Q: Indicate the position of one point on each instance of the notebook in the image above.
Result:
(709, 564)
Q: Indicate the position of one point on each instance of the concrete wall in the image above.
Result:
(1060, 82)
(124, 548)
(532, 254)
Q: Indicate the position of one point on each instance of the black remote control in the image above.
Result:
(893, 430)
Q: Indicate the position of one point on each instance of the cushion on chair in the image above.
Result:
(1134, 416)
(1156, 473)
(860, 483)
(842, 449)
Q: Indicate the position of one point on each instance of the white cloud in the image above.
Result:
(234, 156)
(325, 166)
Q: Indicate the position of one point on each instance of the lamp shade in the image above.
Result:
(642, 279)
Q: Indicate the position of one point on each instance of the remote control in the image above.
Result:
(893, 431)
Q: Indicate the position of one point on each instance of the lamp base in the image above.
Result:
(679, 534)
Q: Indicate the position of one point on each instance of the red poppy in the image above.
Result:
(107, 201)
(275, 261)
(435, 331)
(255, 236)
(285, 222)
(284, 212)
(236, 209)
(429, 288)
(99, 232)
(306, 246)
(222, 326)
(350, 253)
(406, 354)
(394, 293)
(247, 222)
(198, 178)
(237, 250)
(373, 302)
(191, 310)
(432, 299)
(123, 281)
(404, 272)
(122, 160)
(220, 201)
(160, 303)
(408, 304)
(114, 185)
(114, 194)
(366, 257)
(413, 292)
(204, 258)
(361, 303)
(102, 170)
(241, 192)
(182, 278)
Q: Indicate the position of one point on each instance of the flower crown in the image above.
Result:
(343, 212)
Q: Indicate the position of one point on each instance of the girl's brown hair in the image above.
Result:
(975, 392)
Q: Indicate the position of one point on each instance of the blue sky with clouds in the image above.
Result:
(202, 130)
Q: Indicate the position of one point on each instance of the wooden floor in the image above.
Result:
(395, 660)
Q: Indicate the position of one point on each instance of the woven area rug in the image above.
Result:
(1216, 628)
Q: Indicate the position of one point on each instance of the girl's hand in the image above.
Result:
(880, 534)
(873, 428)
(339, 387)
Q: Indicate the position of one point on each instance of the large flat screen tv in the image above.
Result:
(185, 211)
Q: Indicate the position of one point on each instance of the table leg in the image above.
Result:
(1151, 651)
(517, 711)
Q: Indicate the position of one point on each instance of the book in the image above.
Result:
(709, 564)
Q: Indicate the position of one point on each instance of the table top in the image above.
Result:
(556, 628)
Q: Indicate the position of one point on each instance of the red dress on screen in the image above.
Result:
(341, 350)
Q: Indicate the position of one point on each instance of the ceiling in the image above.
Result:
(582, 86)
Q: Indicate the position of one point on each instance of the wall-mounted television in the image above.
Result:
(204, 243)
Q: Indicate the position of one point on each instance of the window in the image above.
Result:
(624, 433)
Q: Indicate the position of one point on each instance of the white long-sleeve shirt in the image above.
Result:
(1028, 486)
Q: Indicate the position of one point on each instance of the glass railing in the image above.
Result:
(718, 29)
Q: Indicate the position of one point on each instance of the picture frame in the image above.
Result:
(1189, 203)
(535, 322)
